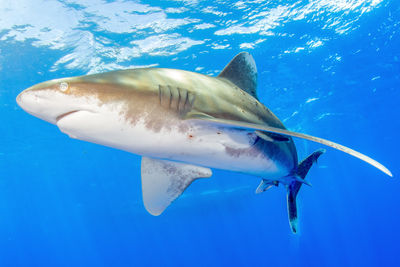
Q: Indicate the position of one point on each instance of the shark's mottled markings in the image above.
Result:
(183, 124)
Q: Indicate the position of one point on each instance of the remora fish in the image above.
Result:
(183, 124)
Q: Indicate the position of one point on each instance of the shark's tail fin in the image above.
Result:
(294, 187)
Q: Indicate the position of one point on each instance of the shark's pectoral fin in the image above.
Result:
(163, 181)
(266, 128)
(195, 115)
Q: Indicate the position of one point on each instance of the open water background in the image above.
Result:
(327, 68)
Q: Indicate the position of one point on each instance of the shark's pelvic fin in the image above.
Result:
(294, 187)
(265, 185)
(262, 127)
(163, 181)
(242, 71)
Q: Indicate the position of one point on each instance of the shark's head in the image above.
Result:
(56, 99)
(92, 107)
(84, 106)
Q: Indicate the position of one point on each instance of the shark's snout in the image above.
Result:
(27, 100)
(51, 101)
(34, 104)
(46, 104)
(19, 100)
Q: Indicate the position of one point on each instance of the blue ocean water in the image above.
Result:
(327, 68)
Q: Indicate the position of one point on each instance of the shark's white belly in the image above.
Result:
(185, 141)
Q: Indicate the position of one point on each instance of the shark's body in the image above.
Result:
(149, 122)
(182, 123)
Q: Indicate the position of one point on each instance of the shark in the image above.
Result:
(183, 124)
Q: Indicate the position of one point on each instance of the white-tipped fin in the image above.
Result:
(265, 185)
(163, 181)
(260, 127)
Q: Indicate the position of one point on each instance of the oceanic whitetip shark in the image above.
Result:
(182, 124)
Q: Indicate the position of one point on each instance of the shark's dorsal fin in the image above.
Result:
(242, 71)
(163, 181)
(266, 128)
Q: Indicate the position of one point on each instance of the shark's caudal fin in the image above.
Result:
(294, 187)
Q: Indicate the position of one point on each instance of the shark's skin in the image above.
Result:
(182, 123)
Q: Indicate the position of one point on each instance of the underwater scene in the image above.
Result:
(183, 83)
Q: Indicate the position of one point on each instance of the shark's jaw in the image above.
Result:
(60, 117)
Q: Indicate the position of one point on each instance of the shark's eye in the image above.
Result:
(63, 86)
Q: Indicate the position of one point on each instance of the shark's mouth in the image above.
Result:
(65, 115)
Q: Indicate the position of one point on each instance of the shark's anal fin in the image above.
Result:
(163, 181)
(263, 127)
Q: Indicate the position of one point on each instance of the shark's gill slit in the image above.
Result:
(179, 98)
(170, 96)
(186, 101)
(159, 93)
